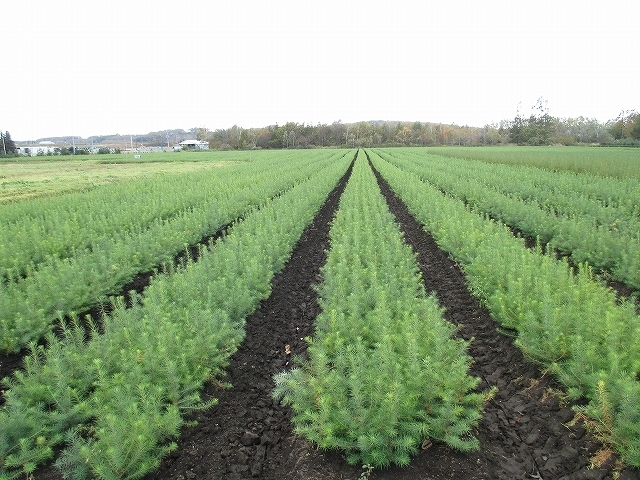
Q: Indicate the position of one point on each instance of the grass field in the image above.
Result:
(41, 176)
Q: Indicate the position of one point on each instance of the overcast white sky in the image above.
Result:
(78, 67)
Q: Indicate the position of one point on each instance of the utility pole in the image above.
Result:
(4, 147)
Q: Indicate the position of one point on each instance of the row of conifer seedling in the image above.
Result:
(77, 251)
(595, 220)
(566, 319)
(114, 404)
(383, 371)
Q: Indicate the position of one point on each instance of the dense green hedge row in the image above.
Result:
(570, 322)
(115, 403)
(580, 215)
(59, 287)
(384, 373)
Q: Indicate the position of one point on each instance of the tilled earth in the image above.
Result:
(523, 433)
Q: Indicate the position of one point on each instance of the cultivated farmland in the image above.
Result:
(443, 340)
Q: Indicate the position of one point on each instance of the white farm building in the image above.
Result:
(192, 145)
(42, 148)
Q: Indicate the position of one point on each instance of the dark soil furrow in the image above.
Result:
(247, 434)
(13, 361)
(523, 432)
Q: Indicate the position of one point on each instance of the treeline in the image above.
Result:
(539, 128)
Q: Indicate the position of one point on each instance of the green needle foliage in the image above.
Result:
(383, 372)
(593, 219)
(570, 322)
(115, 403)
(97, 256)
(127, 444)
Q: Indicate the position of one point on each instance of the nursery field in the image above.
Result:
(621, 162)
(323, 314)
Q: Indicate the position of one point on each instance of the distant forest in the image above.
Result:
(537, 128)
(532, 130)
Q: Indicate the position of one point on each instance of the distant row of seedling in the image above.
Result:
(592, 219)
